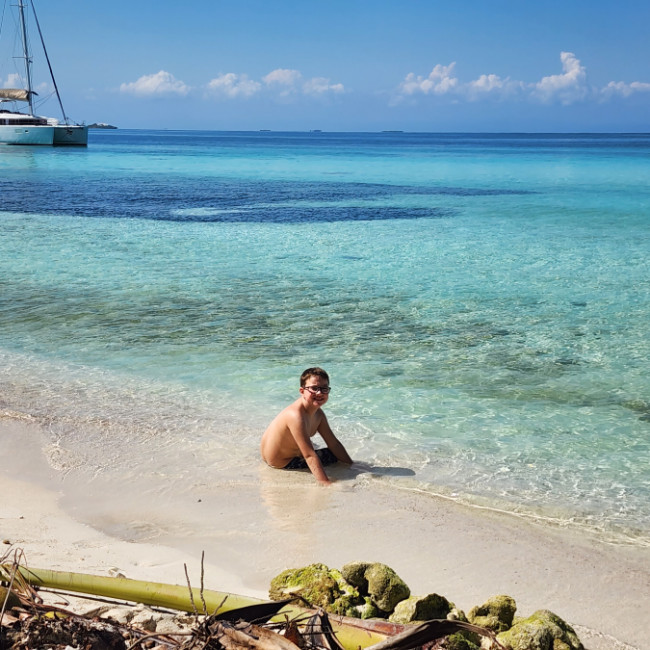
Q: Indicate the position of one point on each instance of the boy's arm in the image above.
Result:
(332, 442)
(299, 433)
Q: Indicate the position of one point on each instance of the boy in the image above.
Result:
(286, 444)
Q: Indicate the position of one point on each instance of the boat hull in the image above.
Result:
(26, 134)
(70, 135)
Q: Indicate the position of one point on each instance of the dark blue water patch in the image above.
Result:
(269, 214)
(175, 198)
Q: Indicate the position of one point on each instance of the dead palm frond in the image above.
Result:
(416, 636)
(234, 624)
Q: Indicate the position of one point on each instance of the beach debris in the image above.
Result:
(496, 613)
(543, 630)
(33, 625)
(441, 634)
(318, 631)
(222, 635)
(8, 598)
(36, 615)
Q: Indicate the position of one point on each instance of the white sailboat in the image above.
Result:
(26, 128)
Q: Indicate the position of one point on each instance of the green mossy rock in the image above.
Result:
(369, 610)
(421, 608)
(320, 586)
(541, 631)
(459, 642)
(496, 614)
(457, 614)
(385, 587)
(377, 581)
(355, 574)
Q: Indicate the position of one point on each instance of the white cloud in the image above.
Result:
(161, 83)
(291, 82)
(624, 89)
(13, 81)
(494, 85)
(568, 87)
(282, 77)
(233, 85)
(440, 81)
(282, 81)
(285, 80)
(320, 86)
(487, 83)
(42, 89)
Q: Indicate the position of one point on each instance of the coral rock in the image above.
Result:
(377, 581)
(320, 586)
(421, 608)
(355, 574)
(459, 642)
(541, 631)
(496, 614)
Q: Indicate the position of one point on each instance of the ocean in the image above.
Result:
(481, 302)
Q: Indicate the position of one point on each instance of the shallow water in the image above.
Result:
(481, 303)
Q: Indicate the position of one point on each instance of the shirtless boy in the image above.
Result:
(286, 444)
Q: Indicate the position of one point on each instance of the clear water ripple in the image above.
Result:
(480, 301)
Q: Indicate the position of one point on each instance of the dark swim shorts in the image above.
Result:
(325, 455)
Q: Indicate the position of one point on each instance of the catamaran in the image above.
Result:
(26, 128)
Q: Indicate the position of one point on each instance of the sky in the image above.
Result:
(353, 65)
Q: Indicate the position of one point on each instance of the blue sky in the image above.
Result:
(370, 65)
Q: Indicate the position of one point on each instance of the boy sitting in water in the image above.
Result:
(286, 444)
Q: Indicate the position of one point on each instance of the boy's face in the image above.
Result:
(311, 391)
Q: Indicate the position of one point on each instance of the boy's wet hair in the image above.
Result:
(313, 372)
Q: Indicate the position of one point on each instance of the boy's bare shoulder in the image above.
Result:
(291, 413)
(297, 414)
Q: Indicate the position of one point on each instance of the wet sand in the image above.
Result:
(256, 525)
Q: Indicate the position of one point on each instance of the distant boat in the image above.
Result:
(25, 127)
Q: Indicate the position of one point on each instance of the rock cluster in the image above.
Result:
(374, 590)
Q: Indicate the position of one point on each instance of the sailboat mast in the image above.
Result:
(49, 65)
(28, 60)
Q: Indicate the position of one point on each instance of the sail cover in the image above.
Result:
(14, 94)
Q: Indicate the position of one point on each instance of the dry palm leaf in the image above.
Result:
(254, 613)
(241, 636)
(318, 632)
(418, 635)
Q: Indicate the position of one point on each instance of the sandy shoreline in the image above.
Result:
(272, 520)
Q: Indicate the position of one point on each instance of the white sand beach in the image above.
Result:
(280, 520)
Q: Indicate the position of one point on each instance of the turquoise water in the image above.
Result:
(481, 302)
